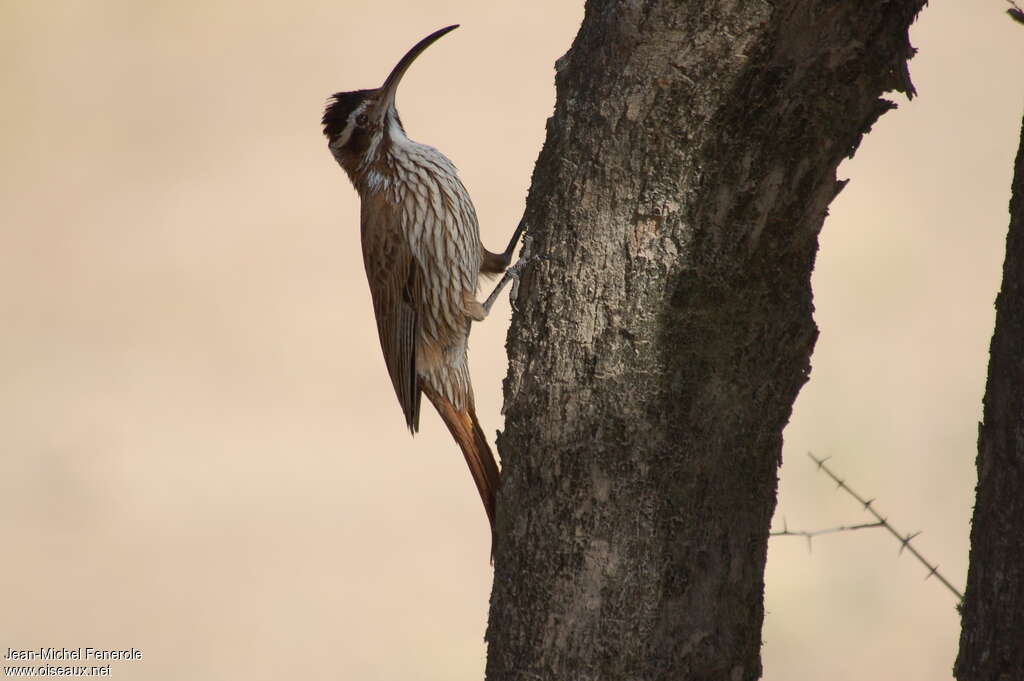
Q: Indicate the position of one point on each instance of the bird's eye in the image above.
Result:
(361, 119)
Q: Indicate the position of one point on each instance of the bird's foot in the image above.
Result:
(511, 274)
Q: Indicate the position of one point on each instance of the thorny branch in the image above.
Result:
(880, 521)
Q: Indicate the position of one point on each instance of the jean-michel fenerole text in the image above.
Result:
(72, 654)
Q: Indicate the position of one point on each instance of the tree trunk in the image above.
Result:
(992, 635)
(666, 330)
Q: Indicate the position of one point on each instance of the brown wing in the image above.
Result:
(393, 277)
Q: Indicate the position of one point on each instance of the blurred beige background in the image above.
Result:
(202, 454)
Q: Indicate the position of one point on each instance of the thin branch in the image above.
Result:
(810, 534)
(904, 540)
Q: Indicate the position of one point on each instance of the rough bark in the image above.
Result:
(662, 339)
(992, 634)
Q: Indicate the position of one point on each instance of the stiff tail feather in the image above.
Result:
(466, 430)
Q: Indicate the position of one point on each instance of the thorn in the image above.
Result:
(905, 542)
(867, 504)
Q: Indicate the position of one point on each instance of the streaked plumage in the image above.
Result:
(423, 258)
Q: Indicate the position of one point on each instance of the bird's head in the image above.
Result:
(357, 124)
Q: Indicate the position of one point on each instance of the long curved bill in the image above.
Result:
(390, 86)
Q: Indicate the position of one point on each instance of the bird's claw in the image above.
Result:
(525, 258)
(512, 274)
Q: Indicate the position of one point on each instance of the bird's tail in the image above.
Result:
(466, 430)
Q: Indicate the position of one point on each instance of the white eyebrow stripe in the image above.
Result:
(346, 132)
(350, 125)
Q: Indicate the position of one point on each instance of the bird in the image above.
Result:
(423, 258)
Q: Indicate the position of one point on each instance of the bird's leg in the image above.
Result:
(511, 272)
(511, 248)
(496, 263)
